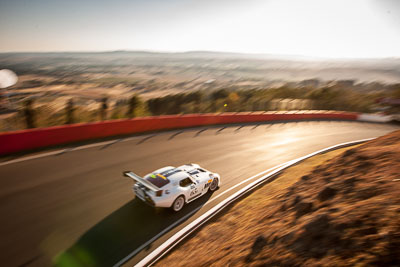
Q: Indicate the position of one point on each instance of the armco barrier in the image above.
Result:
(11, 142)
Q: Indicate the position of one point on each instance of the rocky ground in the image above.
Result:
(343, 212)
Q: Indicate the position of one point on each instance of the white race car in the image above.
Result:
(171, 187)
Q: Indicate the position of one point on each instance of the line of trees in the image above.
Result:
(222, 100)
(72, 113)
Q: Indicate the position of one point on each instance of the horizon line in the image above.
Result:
(199, 51)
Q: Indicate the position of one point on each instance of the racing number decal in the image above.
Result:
(194, 190)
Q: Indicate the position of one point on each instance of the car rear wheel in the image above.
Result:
(214, 184)
(178, 203)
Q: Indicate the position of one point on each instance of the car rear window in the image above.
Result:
(157, 179)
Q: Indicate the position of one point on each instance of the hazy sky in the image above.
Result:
(327, 28)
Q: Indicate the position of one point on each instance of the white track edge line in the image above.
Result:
(176, 238)
(136, 251)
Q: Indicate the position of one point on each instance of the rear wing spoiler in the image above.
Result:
(140, 180)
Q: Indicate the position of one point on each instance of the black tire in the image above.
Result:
(178, 204)
(214, 185)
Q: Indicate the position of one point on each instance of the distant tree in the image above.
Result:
(103, 109)
(132, 106)
(29, 114)
(395, 90)
(193, 101)
(218, 97)
(173, 103)
(232, 102)
(69, 111)
(194, 97)
(221, 93)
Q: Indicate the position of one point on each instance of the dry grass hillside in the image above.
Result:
(343, 212)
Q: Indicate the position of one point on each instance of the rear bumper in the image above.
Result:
(143, 196)
(162, 202)
(147, 200)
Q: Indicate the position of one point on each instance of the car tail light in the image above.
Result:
(159, 193)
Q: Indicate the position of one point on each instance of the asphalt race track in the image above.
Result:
(76, 199)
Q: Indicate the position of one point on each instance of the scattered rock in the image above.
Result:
(342, 226)
(227, 248)
(258, 245)
(296, 200)
(367, 193)
(367, 231)
(305, 177)
(318, 224)
(334, 210)
(348, 152)
(364, 164)
(283, 207)
(286, 238)
(303, 208)
(317, 238)
(350, 181)
(328, 179)
(317, 170)
(362, 157)
(327, 193)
